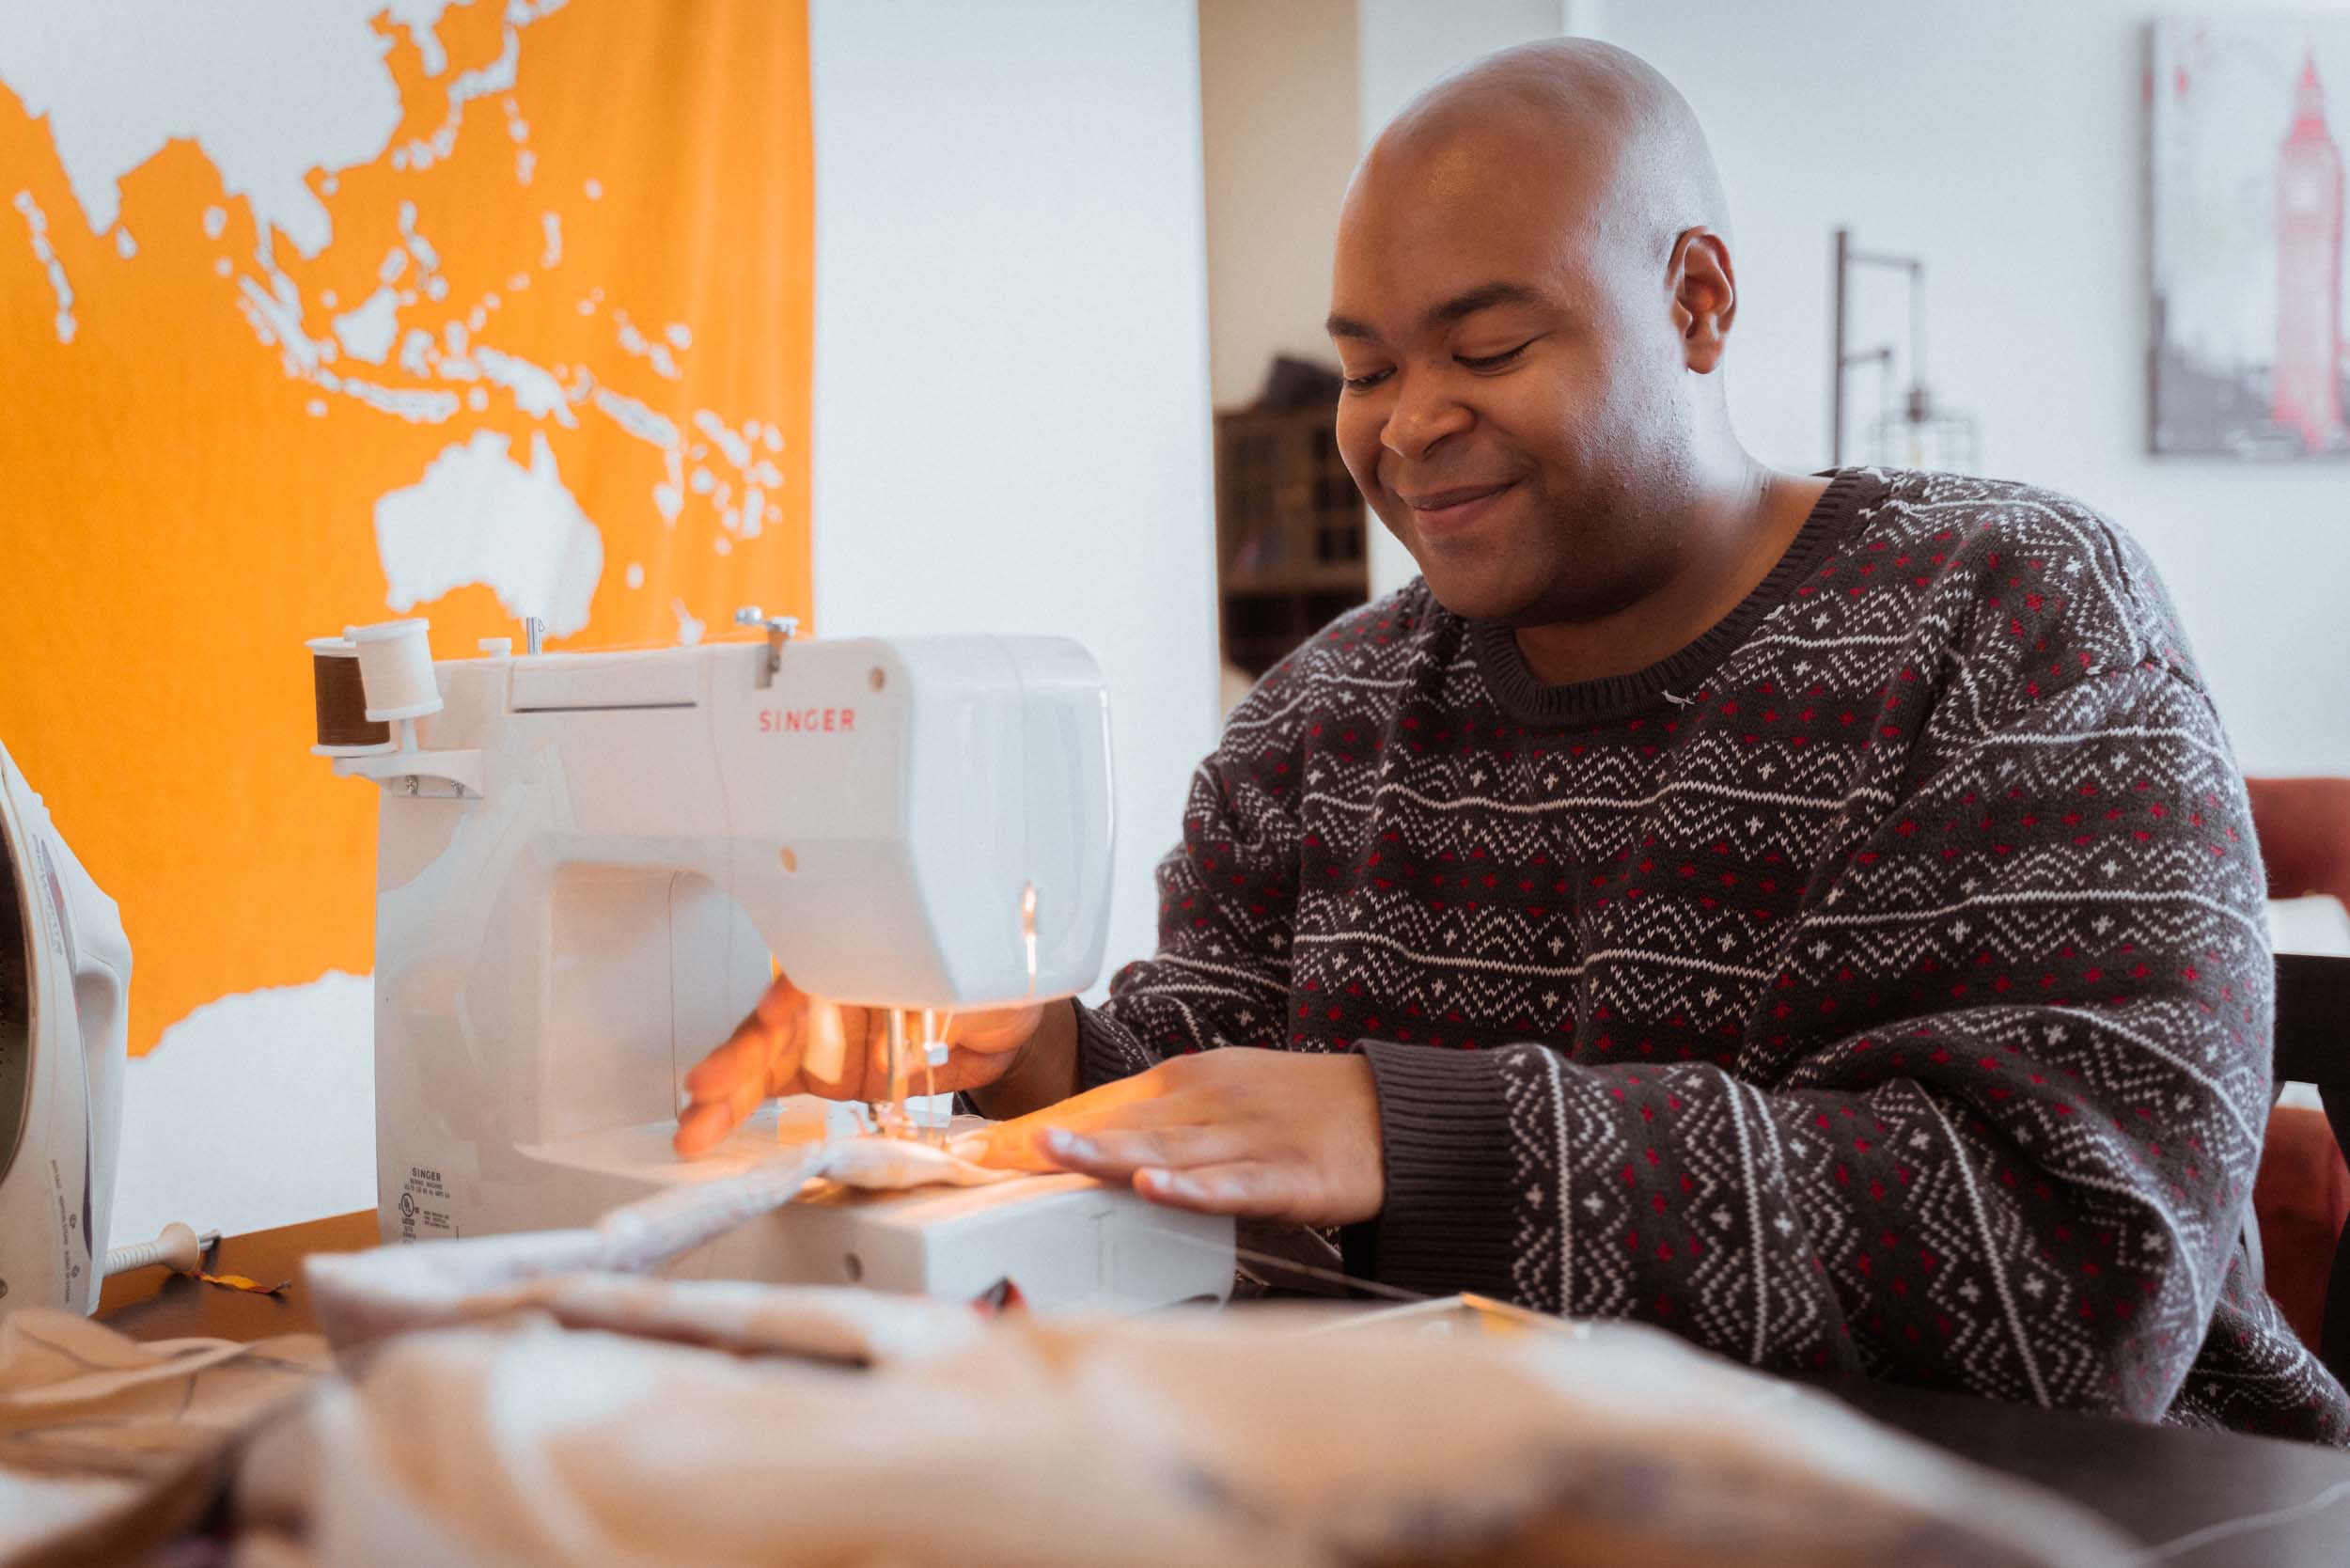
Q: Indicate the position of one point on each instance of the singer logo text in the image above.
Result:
(774, 721)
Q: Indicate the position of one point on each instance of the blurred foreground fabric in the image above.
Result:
(549, 1398)
(108, 1447)
(1270, 1436)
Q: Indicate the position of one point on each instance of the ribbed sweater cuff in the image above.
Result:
(1106, 1052)
(1444, 1122)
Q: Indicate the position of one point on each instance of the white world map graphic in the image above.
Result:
(278, 93)
(283, 98)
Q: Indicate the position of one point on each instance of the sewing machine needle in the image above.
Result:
(897, 1068)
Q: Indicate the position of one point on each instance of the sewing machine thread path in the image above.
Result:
(585, 860)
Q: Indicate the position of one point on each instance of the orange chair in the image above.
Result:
(2301, 1199)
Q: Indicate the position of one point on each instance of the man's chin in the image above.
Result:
(1480, 589)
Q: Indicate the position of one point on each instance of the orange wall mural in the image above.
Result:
(402, 306)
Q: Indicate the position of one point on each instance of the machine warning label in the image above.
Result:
(425, 1208)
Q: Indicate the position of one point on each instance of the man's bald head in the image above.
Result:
(1532, 294)
(1568, 103)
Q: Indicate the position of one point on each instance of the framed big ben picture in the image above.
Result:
(2247, 119)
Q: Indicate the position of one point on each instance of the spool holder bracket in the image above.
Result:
(436, 775)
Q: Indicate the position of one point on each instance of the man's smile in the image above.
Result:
(1448, 510)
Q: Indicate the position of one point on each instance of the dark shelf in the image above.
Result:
(1291, 532)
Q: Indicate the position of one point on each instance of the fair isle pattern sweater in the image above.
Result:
(1879, 985)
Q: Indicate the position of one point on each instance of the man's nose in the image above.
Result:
(1424, 414)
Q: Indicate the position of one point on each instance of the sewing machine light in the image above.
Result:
(1028, 930)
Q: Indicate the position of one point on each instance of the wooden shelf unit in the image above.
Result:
(1293, 552)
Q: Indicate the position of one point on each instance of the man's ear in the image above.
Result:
(1705, 297)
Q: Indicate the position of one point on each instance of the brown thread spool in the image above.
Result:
(342, 701)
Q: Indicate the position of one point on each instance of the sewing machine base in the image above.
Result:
(1065, 1241)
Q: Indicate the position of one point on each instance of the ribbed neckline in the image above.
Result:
(1529, 702)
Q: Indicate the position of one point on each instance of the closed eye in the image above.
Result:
(1365, 383)
(1494, 361)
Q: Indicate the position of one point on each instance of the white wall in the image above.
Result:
(1012, 370)
(1407, 45)
(1276, 99)
(2003, 143)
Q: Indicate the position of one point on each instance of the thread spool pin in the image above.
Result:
(781, 628)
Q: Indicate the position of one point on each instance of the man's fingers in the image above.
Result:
(744, 1099)
(1249, 1188)
(745, 1054)
(966, 1070)
(781, 1000)
(1014, 1145)
(702, 1128)
(1126, 1103)
(711, 1115)
(787, 1037)
(992, 1031)
(1119, 1152)
(846, 1050)
(826, 1061)
(1136, 1102)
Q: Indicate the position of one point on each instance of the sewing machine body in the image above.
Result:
(587, 860)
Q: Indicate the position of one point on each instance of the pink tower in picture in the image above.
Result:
(2305, 389)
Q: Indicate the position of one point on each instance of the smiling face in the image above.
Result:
(1515, 408)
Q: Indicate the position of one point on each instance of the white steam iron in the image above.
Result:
(65, 968)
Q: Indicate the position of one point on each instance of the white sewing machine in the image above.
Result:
(587, 859)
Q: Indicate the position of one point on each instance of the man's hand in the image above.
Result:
(1271, 1135)
(792, 1044)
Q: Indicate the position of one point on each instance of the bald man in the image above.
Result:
(1818, 915)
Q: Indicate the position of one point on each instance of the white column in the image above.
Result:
(1011, 360)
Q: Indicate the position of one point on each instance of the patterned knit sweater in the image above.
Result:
(1879, 985)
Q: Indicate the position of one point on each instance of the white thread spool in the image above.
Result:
(396, 667)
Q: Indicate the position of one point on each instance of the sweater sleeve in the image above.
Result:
(1228, 897)
(1997, 1118)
